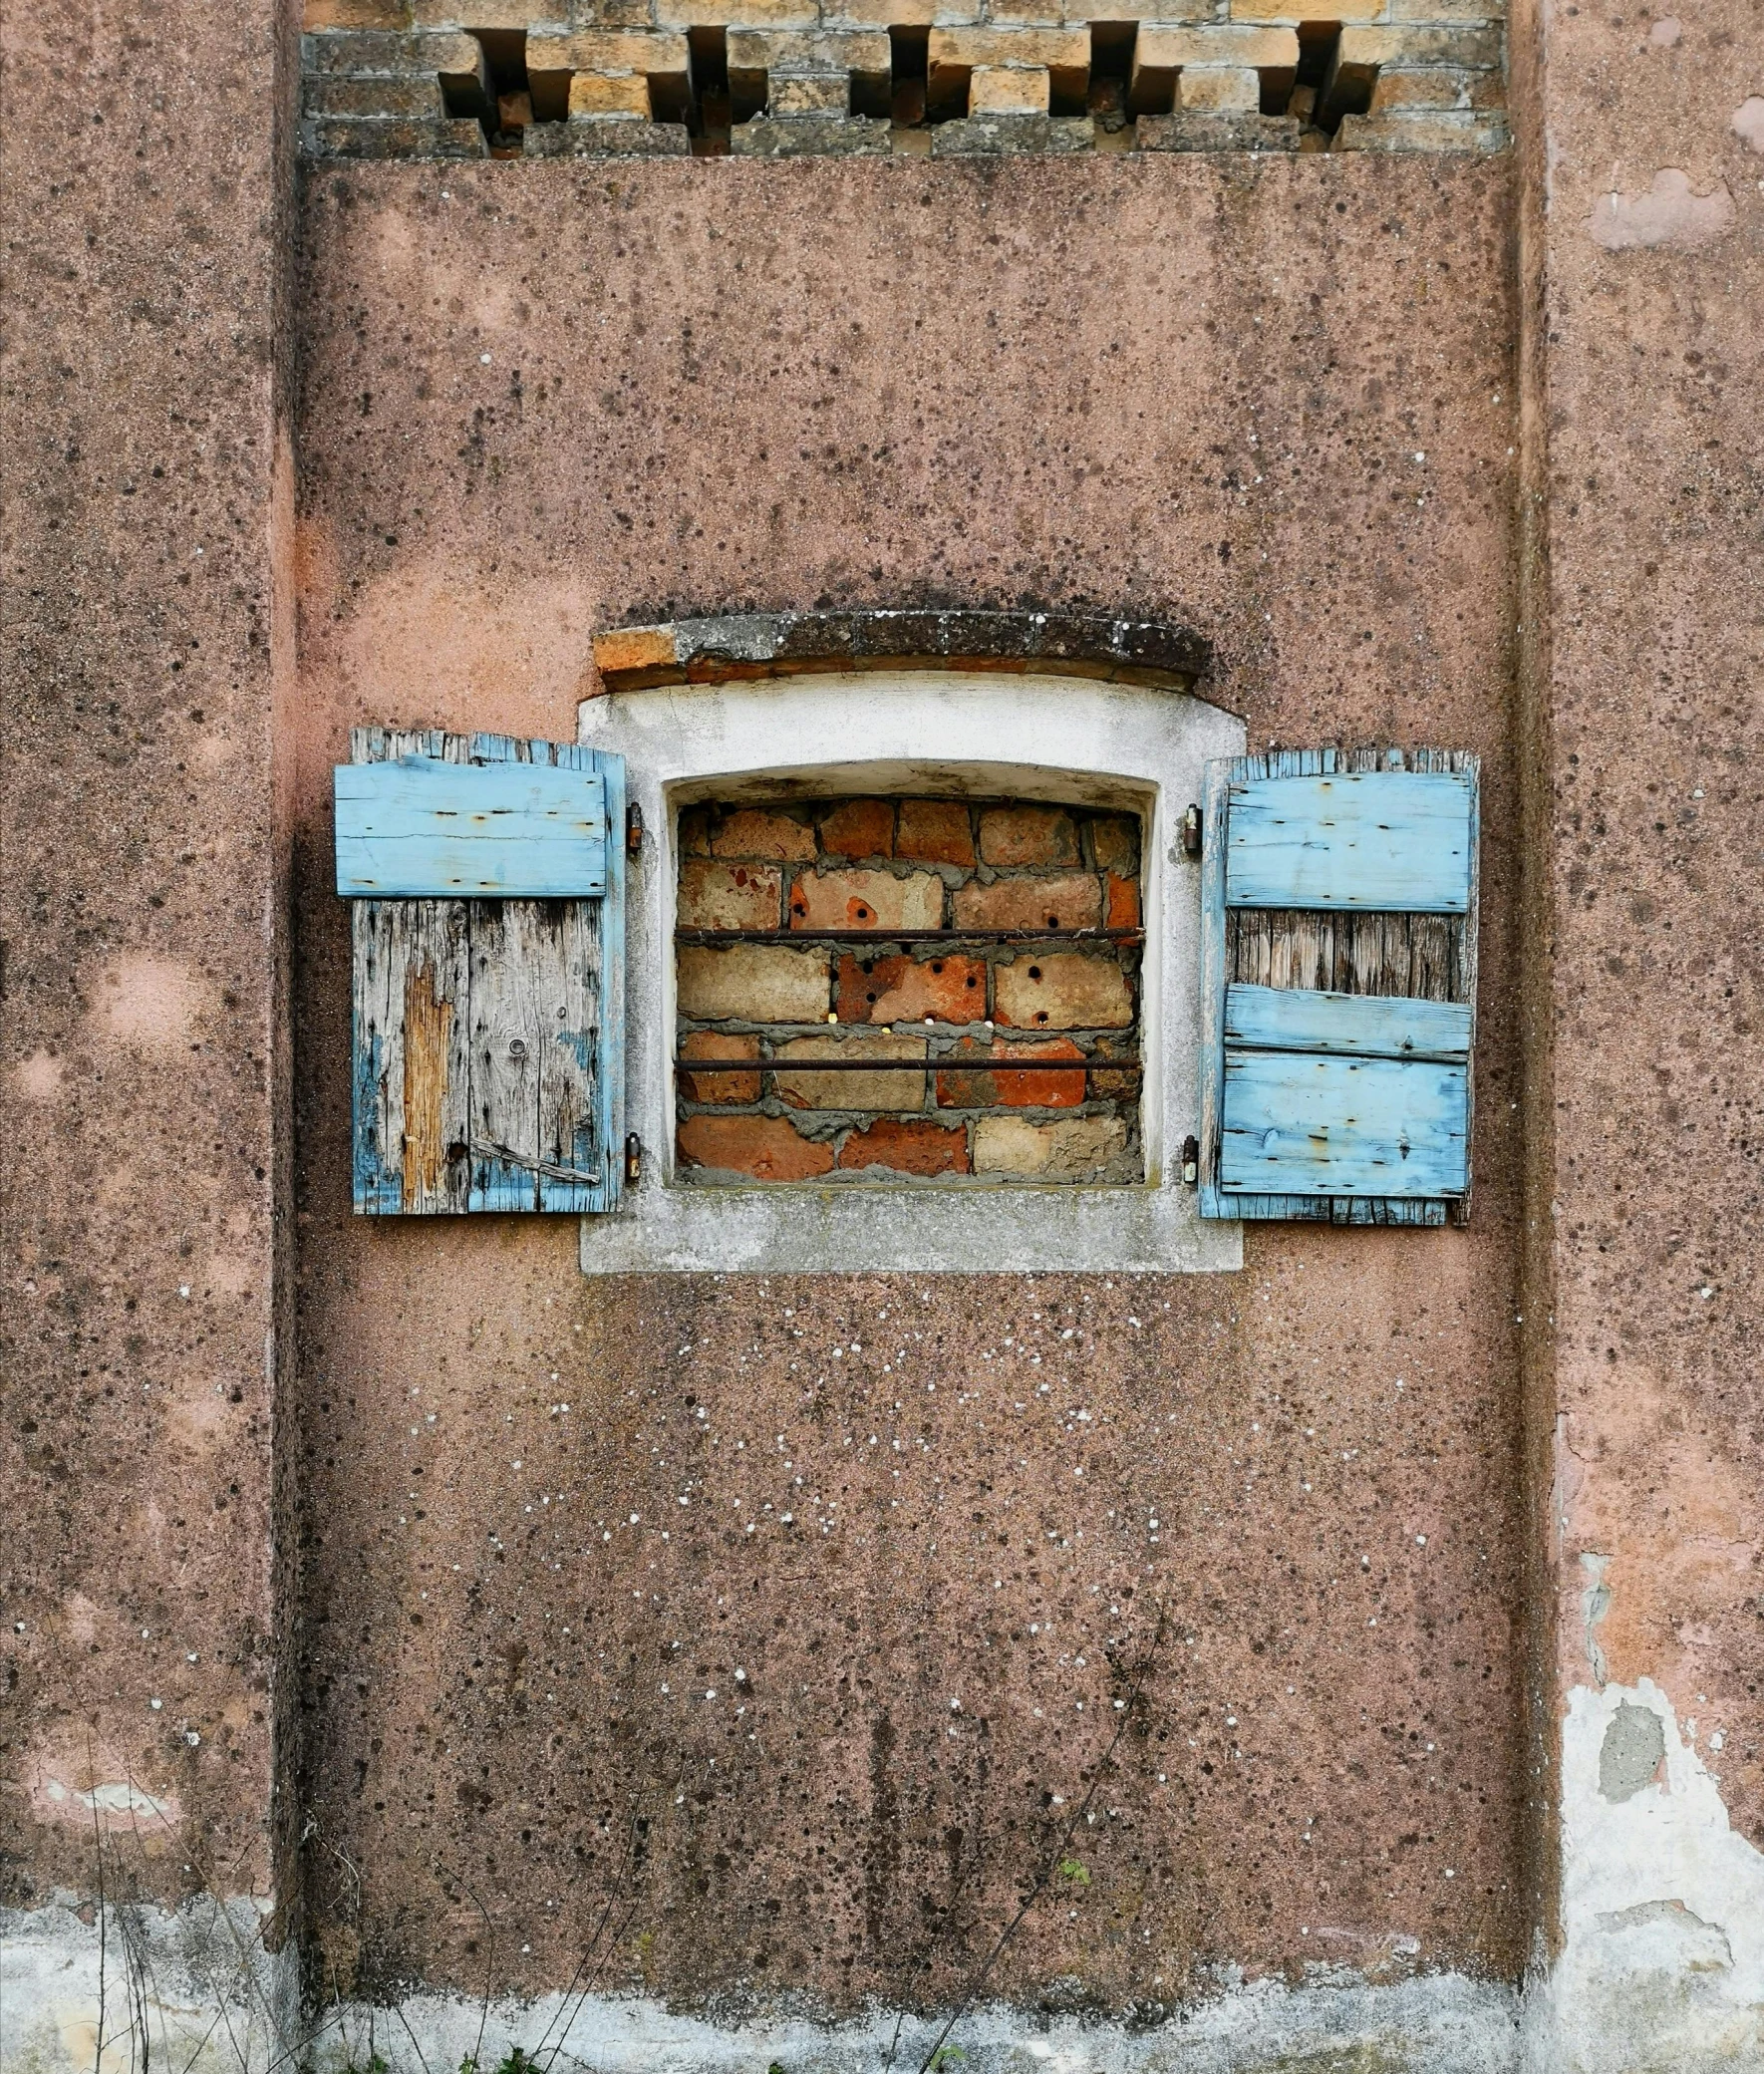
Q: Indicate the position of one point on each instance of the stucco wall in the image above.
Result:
(1276, 401)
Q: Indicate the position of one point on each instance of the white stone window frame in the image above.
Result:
(919, 734)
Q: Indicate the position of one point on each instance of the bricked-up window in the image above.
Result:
(887, 989)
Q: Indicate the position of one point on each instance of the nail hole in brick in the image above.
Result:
(1040, 1015)
(1053, 920)
(937, 965)
(1034, 972)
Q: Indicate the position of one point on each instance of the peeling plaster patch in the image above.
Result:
(1669, 213)
(1662, 1903)
(1595, 1605)
(211, 1998)
(122, 1800)
(1747, 121)
(151, 1002)
(38, 1077)
(1438, 2023)
(1667, 31)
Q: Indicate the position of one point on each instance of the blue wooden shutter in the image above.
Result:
(487, 877)
(1339, 939)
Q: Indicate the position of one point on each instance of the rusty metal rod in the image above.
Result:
(878, 935)
(906, 1066)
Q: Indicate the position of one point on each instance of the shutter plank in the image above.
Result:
(1391, 839)
(437, 1063)
(1303, 1124)
(1368, 1025)
(420, 827)
(569, 1141)
(377, 1044)
(516, 951)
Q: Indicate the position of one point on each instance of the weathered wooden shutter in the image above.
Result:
(1338, 934)
(487, 877)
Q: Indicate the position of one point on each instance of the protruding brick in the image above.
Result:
(752, 831)
(715, 14)
(790, 94)
(757, 54)
(627, 649)
(1418, 129)
(1123, 902)
(728, 896)
(860, 828)
(1027, 834)
(836, 136)
(859, 899)
(1062, 990)
(1160, 53)
(328, 95)
(722, 1088)
(986, 1087)
(934, 831)
(393, 137)
(1364, 49)
(949, 988)
(803, 1089)
(954, 53)
(1225, 90)
(1402, 87)
(610, 94)
(766, 1148)
(660, 56)
(1068, 1149)
(906, 1149)
(752, 983)
(1009, 90)
(1071, 901)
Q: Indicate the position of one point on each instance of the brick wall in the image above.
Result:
(842, 947)
(668, 78)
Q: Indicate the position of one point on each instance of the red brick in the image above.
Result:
(769, 1148)
(1071, 902)
(1027, 835)
(751, 831)
(859, 828)
(751, 983)
(982, 1089)
(906, 1149)
(866, 900)
(881, 1090)
(722, 1088)
(1115, 843)
(1123, 902)
(1062, 990)
(727, 896)
(934, 831)
(1071, 1149)
(906, 989)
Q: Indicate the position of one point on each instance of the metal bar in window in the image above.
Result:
(880, 935)
(907, 1066)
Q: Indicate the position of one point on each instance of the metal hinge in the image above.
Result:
(1191, 832)
(633, 1159)
(633, 828)
(1191, 1162)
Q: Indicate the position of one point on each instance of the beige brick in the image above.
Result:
(1167, 49)
(819, 94)
(1009, 90)
(1071, 901)
(1445, 11)
(763, 1148)
(1425, 130)
(1423, 86)
(1362, 48)
(329, 94)
(1062, 990)
(1269, 11)
(752, 831)
(453, 56)
(715, 14)
(482, 14)
(727, 896)
(752, 983)
(897, 14)
(878, 1091)
(1067, 1149)
(755, 49)
(857, 899)
(614, 94)
(1024, 834)
(722, 1088)
(356, 14)
(1219, 89)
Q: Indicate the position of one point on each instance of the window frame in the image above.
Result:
(1089, 742)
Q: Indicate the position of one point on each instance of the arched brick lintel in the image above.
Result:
(779, 643)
